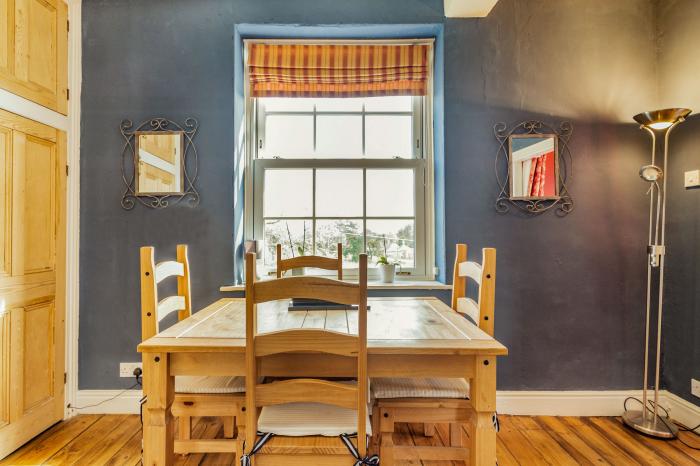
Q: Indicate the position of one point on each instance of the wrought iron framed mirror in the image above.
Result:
(159, 163)
(532, 165)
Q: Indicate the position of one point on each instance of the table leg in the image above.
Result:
(483, 395)
(158, 425)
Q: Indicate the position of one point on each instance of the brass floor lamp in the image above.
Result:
(661, 123)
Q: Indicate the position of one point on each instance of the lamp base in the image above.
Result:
(654, 427)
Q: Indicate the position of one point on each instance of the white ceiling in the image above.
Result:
(468, 8)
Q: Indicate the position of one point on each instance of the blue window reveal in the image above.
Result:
(371, 31)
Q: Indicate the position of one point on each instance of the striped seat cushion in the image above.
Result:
(204, 384)
(302, 419)
(419, 388)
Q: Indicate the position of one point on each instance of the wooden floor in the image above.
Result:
(116, 440)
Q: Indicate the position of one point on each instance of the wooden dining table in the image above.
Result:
(406, 337)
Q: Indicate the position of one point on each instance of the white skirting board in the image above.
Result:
(533, 403)
(590, 403)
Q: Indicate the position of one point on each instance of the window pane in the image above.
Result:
(340, 104)
(288, 193)
(348, 232)
(389, 136)
(288, 104)
(389, 104)
(390, 193)
(338, 136)
(339, 193)
(288, 136)
(394, 239)
(293, 235)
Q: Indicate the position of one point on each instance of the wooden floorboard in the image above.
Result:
(115, 440)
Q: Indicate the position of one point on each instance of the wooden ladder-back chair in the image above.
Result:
(484, 275)
(318, 262)
(194, 395)
(305, 421)
(436, 399)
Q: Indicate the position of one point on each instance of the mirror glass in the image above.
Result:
(159, 163)
(534, 166)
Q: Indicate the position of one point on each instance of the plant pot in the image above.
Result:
(387, 273)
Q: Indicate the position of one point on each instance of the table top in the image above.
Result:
(394, 326)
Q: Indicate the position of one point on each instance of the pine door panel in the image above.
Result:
(34, 50)
(5, 196)
(34, 204)
(35, 43)
(4, 368)
(38, 351)
(6, 35)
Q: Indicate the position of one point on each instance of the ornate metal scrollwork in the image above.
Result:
(563, 202)
(130, 161)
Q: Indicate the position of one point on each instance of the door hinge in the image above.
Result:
(67, 169)
(65, 378)
(68, 25)
(67, 94)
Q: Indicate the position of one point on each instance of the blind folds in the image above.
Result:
(337, 70)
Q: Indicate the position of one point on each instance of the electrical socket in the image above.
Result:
(692, 179)
(695, 387)
(126, 369)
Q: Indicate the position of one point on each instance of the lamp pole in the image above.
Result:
(659, 120)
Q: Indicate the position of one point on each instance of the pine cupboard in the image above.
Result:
(34, 51)
(32, 278)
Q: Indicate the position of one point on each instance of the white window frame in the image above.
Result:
(421, 163)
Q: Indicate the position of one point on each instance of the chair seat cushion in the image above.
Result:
(303, 419)
(419, 388)
(205, 384)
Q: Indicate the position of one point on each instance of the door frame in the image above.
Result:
(71, 126)
(75, 78)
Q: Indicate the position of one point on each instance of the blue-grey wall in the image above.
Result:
(569, 291)
(679, 66)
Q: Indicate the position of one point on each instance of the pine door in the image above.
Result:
(32, 279)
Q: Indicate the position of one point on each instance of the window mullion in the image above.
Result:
(364, 137)
(364, 209)
(314, 128)
(313, 212)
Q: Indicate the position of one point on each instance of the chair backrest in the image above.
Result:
(484, 275)
(154, 310)
(318, 262)
(305, 341)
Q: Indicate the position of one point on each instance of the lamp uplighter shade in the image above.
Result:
(650, 173)
(662, 119)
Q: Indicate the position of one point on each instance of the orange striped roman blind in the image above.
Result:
(337, 70)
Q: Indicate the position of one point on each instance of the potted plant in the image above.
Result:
(387, 270)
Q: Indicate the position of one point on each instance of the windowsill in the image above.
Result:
(376, 285)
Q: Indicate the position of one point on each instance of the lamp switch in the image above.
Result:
(695, 387)
(692, 179)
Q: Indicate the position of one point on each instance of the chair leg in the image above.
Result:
(386, 451)
(237, 454)
(229, 426)
(456, 435)
(376, 429)
(428, 429)
(386, 420)
(386, 438)
(184, 427)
